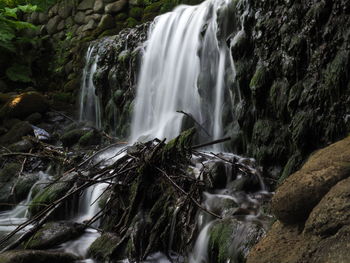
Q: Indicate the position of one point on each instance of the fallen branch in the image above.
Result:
(211, 143)
(200, 125)
(185, 193)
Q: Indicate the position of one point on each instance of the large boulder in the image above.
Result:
(36, 256)
(298, 195)
(313, 211)
(23, 105)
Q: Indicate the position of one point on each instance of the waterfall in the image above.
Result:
(89, 103)
(185, 68)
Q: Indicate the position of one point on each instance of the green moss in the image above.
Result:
(92, 137)
(220, 238)
(110, 32)
(148, 17)
(131, 22)
(154, 7)
(103, 247)
(136, 12)
(48, 195)
(180, 147)
(121, 17)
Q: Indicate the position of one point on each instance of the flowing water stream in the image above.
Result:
(187, 66)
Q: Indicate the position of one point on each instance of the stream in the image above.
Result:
(184, 49)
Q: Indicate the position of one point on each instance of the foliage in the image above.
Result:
(13, 41)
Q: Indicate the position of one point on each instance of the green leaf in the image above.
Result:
(11, 12)
(18, 72)
(28, 8)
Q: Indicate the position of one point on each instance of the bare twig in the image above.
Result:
(210, 143)
(185, 193)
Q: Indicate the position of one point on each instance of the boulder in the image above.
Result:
(51, 25)
(79, 18)
(89, 26)
(23, 105)
(99, 6)
(86, 4)
(43, 17)
(95, 17)
(36, 256)
(299, 193)
(53, 234)
(21, 146)
(16, 133)
(65, 9)
(107, 22)
(61, 25)
(116, 7)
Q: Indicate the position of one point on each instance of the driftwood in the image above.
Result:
(151, 178)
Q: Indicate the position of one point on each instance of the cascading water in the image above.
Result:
(186, 67)
(89, 102)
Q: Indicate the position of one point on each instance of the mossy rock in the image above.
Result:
(73, 136)
(180, 147)
(92, 137)
(230, 240)
(16, 133)
(259, 84)
(21, 146)
(53, 234)
(23, 105)
(51, 193)
(36, 256)
(102, 248)
(23, 186)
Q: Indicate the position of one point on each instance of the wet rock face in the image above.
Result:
(295, 79)
(313, 208)
(116, 76)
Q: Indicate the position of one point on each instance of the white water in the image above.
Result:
(89, 107)
(176, 59)
(9, 220)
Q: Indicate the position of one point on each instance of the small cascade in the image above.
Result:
(9, 220)
(237, 203)
(89, 107)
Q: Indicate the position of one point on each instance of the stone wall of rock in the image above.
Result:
(78, 19)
